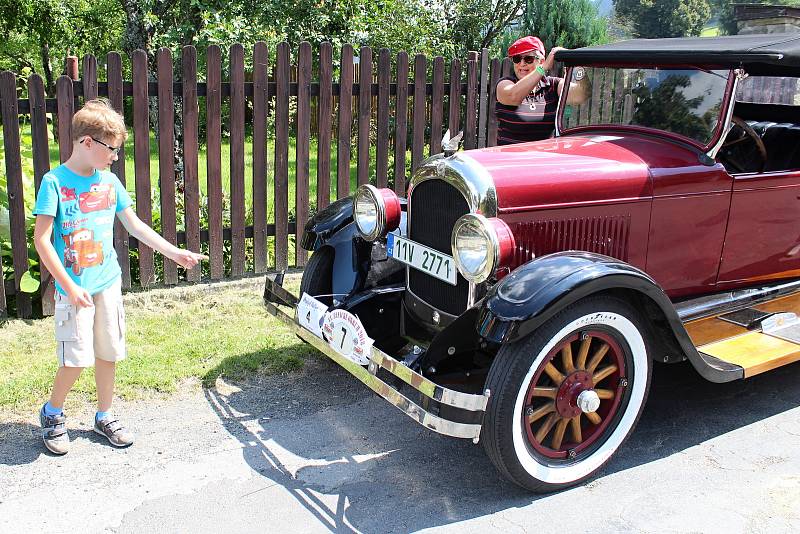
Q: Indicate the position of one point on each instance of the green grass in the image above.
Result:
(174, 335)
(709, 31)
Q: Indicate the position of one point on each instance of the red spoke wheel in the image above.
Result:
(565, 397)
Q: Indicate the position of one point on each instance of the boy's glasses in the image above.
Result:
(528, 59)
(114, 149)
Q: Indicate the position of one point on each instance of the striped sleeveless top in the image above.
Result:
(534, 118)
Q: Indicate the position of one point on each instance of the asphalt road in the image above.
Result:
(317, 452)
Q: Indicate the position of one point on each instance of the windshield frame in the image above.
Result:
(722, 120)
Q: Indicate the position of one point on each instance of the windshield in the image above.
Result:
(682, 101)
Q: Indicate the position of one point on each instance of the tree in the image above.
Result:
(477, 24)
(40, 33)
(567, 23)
(663, 18)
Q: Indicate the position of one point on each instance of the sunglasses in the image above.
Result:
(528, 59)
(114, 149)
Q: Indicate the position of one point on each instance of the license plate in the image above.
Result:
(423, 258)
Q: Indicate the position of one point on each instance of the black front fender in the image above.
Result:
(524, 300)
(537, 290)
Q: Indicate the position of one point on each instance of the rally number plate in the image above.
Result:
(423, 258)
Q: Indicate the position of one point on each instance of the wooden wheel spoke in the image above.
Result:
(546, 427)
(605, 394)
(554, 374)
(566, 358)
(583, 352)
(597, 357)
(575, 425)
(594, 418)
(604, 372)
(545, 391)
(541, 411)
(558, 435)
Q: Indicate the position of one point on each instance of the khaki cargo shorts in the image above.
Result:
(84, 334)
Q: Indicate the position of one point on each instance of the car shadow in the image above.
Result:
(344, 453)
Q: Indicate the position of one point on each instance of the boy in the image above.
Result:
(78, 201)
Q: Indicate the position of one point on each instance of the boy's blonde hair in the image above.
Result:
(98, 119)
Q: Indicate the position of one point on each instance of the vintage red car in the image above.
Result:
(520, 295)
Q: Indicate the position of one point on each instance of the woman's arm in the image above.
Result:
(137, 228)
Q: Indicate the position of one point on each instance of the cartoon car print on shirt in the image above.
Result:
(99, 197)
(81, 250)
(67, 194)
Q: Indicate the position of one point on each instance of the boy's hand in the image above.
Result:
(187, 258)
(80, 298)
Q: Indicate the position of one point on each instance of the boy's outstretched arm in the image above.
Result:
(138, 229)
(42, 234)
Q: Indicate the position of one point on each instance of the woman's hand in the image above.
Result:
(551, 58)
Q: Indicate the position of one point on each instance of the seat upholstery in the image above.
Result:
(782, 141)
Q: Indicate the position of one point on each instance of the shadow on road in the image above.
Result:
(357, 463)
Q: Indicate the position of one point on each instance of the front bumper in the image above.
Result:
(275, 295)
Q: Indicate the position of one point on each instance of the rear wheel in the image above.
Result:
(317, 278)
(566, 397)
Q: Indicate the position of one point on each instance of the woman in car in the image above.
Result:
(527, 100)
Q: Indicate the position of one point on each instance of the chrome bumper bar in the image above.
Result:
(275, 295)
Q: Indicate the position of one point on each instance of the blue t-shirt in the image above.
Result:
(83, 230)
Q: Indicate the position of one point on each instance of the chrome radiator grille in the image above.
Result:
(434, 207)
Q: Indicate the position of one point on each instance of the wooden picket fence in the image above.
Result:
(416, 105)
(388, 110)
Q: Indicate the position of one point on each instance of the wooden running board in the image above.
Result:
(757, 339)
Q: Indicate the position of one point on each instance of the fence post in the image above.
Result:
(454, 118)
(324, 125)
(115, 95)
(41, 165)
(141, 156)
(470, 109)
(345, 120)
(89, 77)
(401, 124)
(483, 104)
(166, 160)
(364, 112)
(214, 159)
(282, 158)
(191, 188)
(437, 105)
(16, 205)
(494, 77)
(418, 116)
(302, 141)
(260, 98)
(382, 147)
(237, 104)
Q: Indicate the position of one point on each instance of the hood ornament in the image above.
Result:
(450, 145)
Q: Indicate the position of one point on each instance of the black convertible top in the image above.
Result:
(774, 54)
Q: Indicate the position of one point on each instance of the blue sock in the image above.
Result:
(101, 415)
(50, 411)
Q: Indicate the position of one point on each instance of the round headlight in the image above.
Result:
(376, 211)
(480, 246)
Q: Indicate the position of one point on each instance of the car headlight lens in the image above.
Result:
(480, 246)
(376, 211)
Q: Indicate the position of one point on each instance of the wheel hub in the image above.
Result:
(571, 388)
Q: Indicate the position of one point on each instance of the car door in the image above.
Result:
(762, 240)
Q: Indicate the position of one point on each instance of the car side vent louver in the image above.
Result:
(603, 235)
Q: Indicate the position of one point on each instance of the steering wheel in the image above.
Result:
(738, 159)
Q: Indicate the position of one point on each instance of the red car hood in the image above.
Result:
(564, 171)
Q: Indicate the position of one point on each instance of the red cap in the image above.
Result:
(525, 45)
